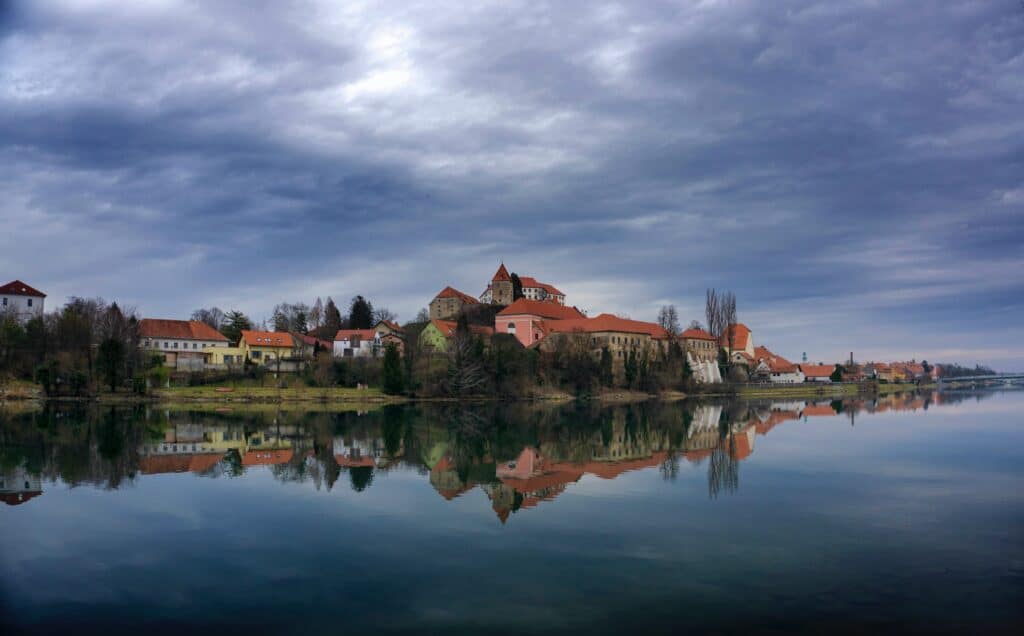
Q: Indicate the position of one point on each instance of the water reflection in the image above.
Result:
(520, 456)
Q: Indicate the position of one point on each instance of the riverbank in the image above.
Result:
(296, 396)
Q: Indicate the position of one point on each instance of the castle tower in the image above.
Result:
(501, 287)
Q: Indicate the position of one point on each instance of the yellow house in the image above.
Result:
(224, 357)
(263, 347)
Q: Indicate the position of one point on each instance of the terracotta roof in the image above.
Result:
(266, 457)
(776, 363)
(16, 498)
(267, 338)
(818, 370)
(391, 324)
(606, 322)
(740, 336)
(542, 308)
(696, 334)
(818, 410)
(18, 288)
(501, 274)
(451, 292)
(362, 334)
(196, 463)
(312, 340)
(179, 330)
(529, 281)
(447, 328)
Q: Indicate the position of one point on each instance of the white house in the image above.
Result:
(21, 301)
(818, 372)
(358, 343)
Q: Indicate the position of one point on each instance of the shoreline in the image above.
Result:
(181, 397)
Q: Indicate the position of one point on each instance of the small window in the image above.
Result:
(166, 346)
(175, 346)
(29, 302)
(5, 302)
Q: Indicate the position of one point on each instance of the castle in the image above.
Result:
(500, 291)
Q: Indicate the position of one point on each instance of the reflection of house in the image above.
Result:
(18, 486)
(818, 410)
(183, 343)
(21, 301)
(449, 303)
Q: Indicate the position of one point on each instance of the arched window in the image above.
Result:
(511, 327)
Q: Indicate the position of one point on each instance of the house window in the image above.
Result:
(5, 302)
(175, 346)
(256, 355)
(195, 346)
(166, 346)
(29, 302)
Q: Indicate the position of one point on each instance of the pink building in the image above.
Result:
(524, 318)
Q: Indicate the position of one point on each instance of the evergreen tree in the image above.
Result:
(517, 287)
(392, 374)
(234, 322)
(360, 315)
(111, 361)
(332, 319)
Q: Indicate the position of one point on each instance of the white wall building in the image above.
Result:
(22, 301)
(181, 342)
(358, 343)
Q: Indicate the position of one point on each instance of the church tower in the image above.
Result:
(501, 287)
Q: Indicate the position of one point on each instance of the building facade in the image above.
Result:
(21, 301)
(449, 303)
(525, 319)
(182, 343)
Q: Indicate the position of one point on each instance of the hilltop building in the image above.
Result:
(449, 303)
(500, 291)
(21, 301)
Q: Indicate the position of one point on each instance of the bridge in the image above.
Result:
(999, 377)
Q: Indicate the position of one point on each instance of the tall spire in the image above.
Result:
(501, 274)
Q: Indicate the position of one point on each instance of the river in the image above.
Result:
(901, 514)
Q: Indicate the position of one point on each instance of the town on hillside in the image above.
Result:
(517, 330)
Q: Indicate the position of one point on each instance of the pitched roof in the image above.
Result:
(310, 340)
(179, 330)
(451, 292)
(18, 498)
(818, 370)
(529, 281)
(447, 328)
(776, 363)
(267, 338)
(391, 325)
(266, 457)
(694, 333)
(18, 288)
(501, 274)
(818, 410)
(542, 308)
(740, 336)
(606, 322)
(347, 334)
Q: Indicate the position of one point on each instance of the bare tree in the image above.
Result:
(668, 318)
(316, 315)
(712, 313)
(380, 314)
(466, 371)
(211, 316)
(695, 324)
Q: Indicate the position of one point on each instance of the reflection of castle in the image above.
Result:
(18, 486)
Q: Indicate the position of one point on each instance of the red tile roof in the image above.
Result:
(451, 292)
(501, 274)
(313, 340)
(529, 281)
(18, 498)
(776, 363)
(696, 334)
(362, 334)
(266, 457)
(447, 328)
(267, 338)
(740, 336)
(605, 322)
(818, 410)
(541, 308)
(179, 330)
(818, 370)
(18, 288)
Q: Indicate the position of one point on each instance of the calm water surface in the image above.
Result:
(904, 514)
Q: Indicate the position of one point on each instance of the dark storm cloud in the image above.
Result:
(841, 165)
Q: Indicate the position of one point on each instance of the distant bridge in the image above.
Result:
(999, 377)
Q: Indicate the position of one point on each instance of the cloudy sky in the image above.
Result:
(852, 169)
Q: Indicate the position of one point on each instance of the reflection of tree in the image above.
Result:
(361, 477)
(670, 467)
(723, 470)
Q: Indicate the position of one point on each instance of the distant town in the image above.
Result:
(519, 336)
